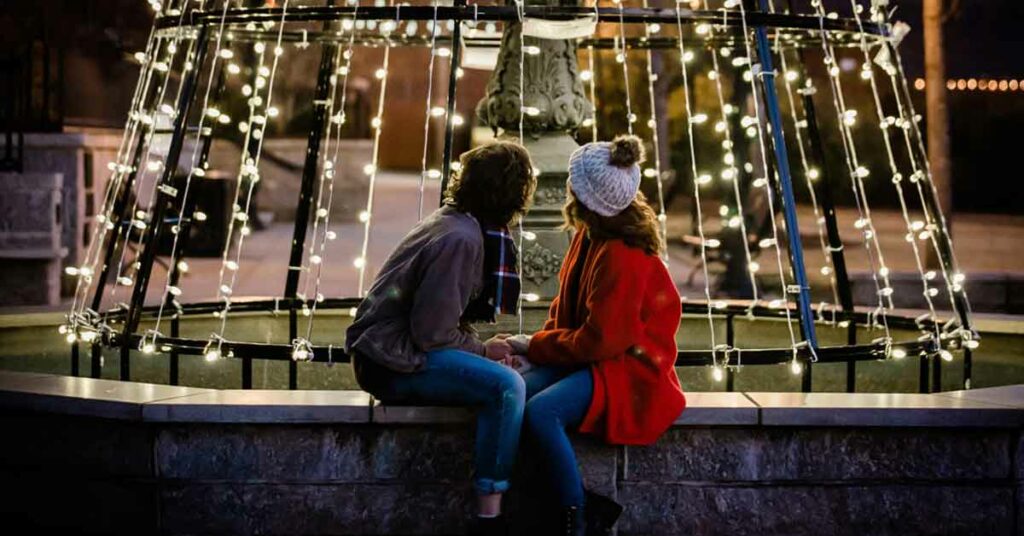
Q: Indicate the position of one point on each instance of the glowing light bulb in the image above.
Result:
(586, 75)
(795, 367)
(531, 297)
(380, 73)
(212, 355)
(364, 216)
(148, 348)
(898, 353)
(946, 355)
(437, 111)
(698, 119)
(717, 374)
(531, 50)
(359, 262)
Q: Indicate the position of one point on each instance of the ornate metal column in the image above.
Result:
(555, 106)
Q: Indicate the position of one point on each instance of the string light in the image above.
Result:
(871, 245)
(687, 100)
(912, 226)
(729, 173)
(653, 124)
(248, 168)
(424, 172)
(360, 262)
(770, 198)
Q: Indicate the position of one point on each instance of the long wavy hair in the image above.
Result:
(495, 184)
(637, 225)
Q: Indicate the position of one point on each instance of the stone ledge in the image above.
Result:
(718, 409)
(246, 406)
(86, 397)
(1011, 396)
(886, 410)
(989, 408)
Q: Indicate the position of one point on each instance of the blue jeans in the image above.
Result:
(557, 399)
(457, 378)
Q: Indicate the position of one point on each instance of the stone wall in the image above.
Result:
(272, 462)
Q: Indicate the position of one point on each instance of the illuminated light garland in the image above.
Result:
(795, 363)
(588, 77)
(119, 168)
(653, 124)
(153, 165)
(302, 347)
(248, 166)
(360, 262)
(864, 224)
(218, 53)
(922, 173)
(522, 109)
(810, 173)
(424, 172)
(716, 370)
(885, 125)
(620, 56)
(729, 174)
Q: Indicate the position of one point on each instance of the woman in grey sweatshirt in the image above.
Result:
(409, 342)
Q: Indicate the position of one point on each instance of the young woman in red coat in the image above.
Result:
(603, 362)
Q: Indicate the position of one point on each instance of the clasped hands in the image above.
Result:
(509, 350)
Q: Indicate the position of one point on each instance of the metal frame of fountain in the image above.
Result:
(541, 96)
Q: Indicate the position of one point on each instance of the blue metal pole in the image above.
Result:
(796, 253)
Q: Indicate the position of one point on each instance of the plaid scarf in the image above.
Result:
(501, 280)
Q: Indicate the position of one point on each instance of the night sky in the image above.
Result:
(984, 40)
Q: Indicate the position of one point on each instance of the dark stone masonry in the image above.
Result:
(232, 462)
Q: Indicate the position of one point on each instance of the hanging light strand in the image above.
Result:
(883, 124)
(377, 124)
(119, 169)
(907, 121)
(653, 124)
(691, 143)
(799, 128)
(879, 275)
(250, 168)
(168, 289)
(620, 56)
(763, 150)
(728, 144)
(424, 172)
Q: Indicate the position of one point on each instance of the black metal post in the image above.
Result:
(96, 368)
(796, 255)
(936, 374)
(835, 242)
(74, 359)
(165, 193)
(922, 380)
(449, 125)
(173, 373)
(730, 339)
(968, 367)
(302, 211)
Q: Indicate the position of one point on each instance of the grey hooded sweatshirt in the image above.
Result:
(415, 304)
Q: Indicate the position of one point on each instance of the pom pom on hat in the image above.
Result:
(605, 176)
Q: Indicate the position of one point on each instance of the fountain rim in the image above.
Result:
(878, 349)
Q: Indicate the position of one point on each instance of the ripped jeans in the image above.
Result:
(457, 378)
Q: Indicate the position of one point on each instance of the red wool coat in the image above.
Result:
(627, 314)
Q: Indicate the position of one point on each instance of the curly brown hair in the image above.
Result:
(495, 183)
(637, 225)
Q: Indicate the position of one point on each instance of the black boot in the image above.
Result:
(572, 522)
(601, 513)
(489, 526)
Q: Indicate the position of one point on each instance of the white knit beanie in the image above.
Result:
(605, 176)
